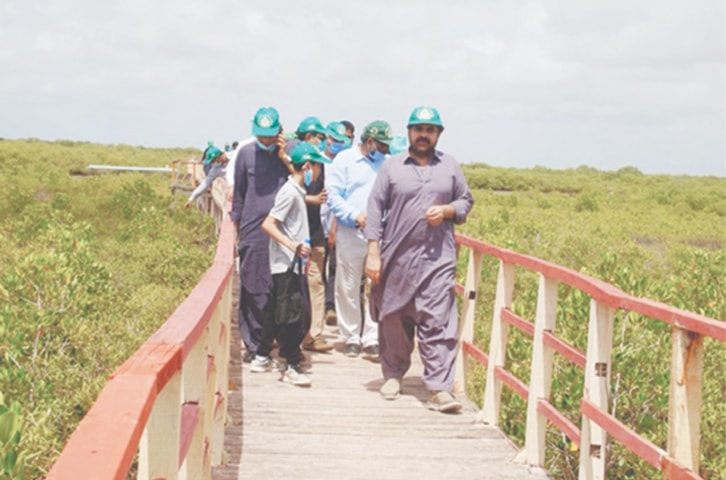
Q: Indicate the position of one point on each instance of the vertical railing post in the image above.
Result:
(541, 371)
(159, 446)
(684, 405)
(194, 372)
(593, 445)
(222, 381)
(466, 325)
(498, 344)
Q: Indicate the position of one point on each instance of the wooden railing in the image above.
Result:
(680, 461)
(167, 402)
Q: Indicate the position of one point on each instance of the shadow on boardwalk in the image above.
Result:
(340, 428)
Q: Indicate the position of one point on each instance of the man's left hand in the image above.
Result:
(435, 215)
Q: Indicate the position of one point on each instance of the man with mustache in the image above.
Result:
(417, 198)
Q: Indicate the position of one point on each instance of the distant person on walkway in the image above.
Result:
(311, 130)
(349, 184)
(217, 160)
(287, 225)
(260, 172)
(205, 165)
(337, 141)
(418, 197)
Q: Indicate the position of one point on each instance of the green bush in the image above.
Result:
(654, 236)
(90, 267)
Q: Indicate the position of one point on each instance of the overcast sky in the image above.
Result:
(556, 83)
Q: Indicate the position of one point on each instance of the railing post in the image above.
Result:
(194, 372)
(222, 380)
(541, 371)
(466, 325)
(593, 445)
(498, 344)
(684, 405)
(159, 446)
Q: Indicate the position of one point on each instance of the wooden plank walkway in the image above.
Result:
(340, 428)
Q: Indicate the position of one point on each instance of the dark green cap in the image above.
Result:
(378, 130)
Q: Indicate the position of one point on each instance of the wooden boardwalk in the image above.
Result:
(340, 428)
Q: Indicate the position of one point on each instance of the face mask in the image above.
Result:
(376, 156)
(308, 176)
(335, 148)
(322, 145)
(265, 148)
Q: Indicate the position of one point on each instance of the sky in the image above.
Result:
(552, 83)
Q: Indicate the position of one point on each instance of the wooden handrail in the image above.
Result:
(168, 400)
(689, 328)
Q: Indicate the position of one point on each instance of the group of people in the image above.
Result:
(319, 215)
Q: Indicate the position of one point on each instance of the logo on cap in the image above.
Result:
(388, 133)
(340, 129)
(265, 121)
(425, 114)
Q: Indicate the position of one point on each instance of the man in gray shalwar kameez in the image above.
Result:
(417, 198)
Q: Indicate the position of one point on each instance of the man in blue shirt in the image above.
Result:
(348, 184)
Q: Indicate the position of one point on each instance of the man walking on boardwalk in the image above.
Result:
(349, 182)
(417, 198)
(260, 172)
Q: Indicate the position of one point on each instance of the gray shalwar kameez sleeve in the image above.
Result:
(418, 262)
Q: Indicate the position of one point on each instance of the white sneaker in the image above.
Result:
(295, 376)
(262, 364)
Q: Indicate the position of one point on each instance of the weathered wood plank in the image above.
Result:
(341, 428)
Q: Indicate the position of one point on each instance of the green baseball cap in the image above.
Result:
(307, 152)
(337, 130)
(212, 153)
(266, 122)
(425, 116)
(311, 125)
(378, 130)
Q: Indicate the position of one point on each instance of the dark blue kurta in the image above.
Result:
(258, 177)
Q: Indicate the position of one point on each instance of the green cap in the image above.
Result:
(336, 130)
(425, 116)
(266, 122)
(378, 130)
(307, 152)
(212, 153)
(311, 125)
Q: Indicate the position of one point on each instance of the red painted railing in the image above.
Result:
(680, 461)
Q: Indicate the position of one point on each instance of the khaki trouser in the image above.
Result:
(317, 293)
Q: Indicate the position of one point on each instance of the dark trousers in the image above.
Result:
(254, 309)
(290, 319)
(329, 276)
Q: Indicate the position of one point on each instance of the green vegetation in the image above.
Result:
(90, 267)
(655, 236)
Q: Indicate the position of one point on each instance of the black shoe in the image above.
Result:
(247, 357)
(351, 350)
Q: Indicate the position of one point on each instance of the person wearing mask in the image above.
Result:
(287, 226)
(337, 141)
(260, 171)
(417, 198)
(349, 182)
(311, 130)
